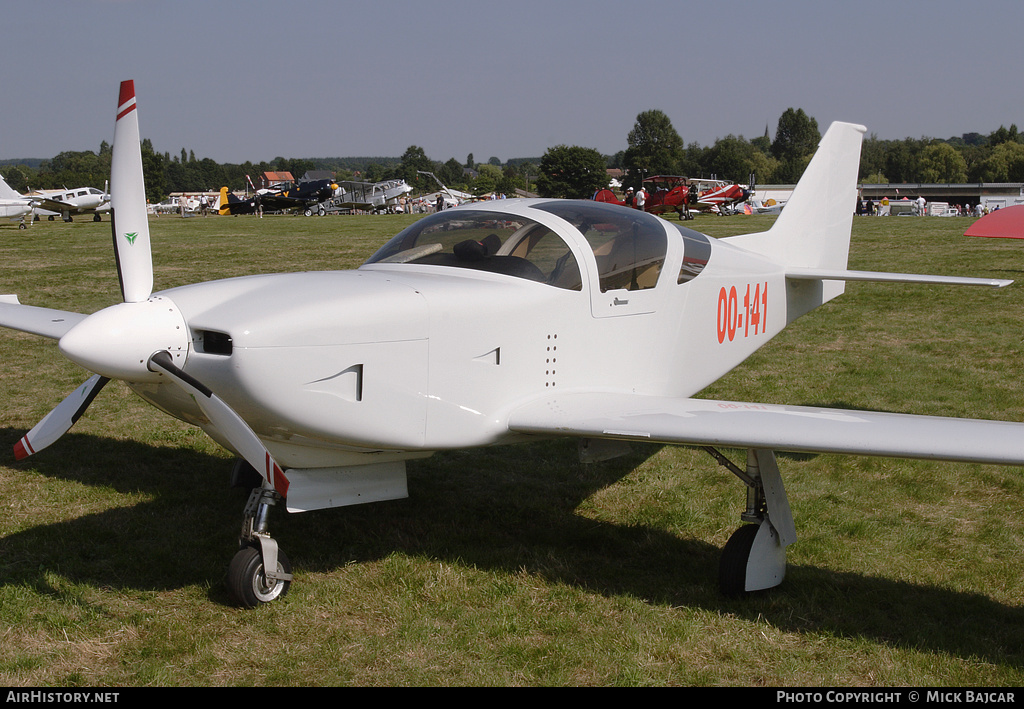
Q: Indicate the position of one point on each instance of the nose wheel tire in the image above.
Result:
(247, 583)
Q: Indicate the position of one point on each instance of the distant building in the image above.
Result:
(988, 194)
(314, 175)
(277, 180)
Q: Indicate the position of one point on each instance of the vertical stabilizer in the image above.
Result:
(813, 231)
(8, 192)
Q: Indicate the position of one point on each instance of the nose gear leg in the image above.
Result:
(260, 572)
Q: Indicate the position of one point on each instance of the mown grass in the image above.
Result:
(519, 566)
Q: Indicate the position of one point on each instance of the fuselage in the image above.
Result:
(416, 353)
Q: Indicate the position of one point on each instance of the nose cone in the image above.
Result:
(118, 341)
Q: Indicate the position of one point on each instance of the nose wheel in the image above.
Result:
(260, 572)
(249, 584)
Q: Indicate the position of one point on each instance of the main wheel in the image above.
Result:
(732, 569)
(247, 583)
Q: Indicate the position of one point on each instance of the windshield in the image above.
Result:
(486, 241)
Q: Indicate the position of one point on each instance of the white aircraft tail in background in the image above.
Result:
(13, 205)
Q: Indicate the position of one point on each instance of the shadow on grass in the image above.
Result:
(503, 509)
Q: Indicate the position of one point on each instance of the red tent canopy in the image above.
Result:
(1006, 223)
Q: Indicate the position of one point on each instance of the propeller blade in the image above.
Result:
(129, 221)
(229, 423)
(56, 423)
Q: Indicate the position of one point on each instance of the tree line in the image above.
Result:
(653, 146)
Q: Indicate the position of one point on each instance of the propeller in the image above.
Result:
(145, 338)
(56, 423)
(134, 267)
(130, 223)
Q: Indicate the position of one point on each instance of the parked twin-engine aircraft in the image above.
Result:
(492, 323)
(68, 203)
(52, 203)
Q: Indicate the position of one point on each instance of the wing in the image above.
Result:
(52, 205)
(38, 321)
(735, 424)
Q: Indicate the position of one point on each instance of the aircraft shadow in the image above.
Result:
(507, 509)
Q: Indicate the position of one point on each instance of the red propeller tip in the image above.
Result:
(21, 451)
(127, 92)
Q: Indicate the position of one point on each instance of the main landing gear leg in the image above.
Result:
(754, 558)
(260, 572)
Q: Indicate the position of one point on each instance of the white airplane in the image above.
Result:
(492, 323)
(67, 203)
(14, 206)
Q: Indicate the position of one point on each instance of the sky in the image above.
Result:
(252, 80)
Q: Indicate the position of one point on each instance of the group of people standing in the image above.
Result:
(883, 207)
(636, 199)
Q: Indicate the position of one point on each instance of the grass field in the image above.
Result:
(519, 566)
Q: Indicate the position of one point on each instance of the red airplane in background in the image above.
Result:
(674, 193)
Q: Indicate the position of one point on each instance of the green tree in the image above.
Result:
(18, 177)
(154, 171)
(1004, 135)
(511, 180)
(655, 148)
(74, 169)
(872, 160)
(940, 162)
(571, 172)
(486, 180)
(733, 158)
(414, 158)
(1004, 164)
(450, 174)
(796, 138)
(901, 160)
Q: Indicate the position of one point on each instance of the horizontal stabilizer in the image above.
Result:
(734, 424)
(811, 274)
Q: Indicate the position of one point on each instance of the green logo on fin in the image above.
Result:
(132, 237)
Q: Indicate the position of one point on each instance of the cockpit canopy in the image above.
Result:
(486, 241)
(628, 245)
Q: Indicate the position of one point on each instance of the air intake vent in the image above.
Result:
(212, 342)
